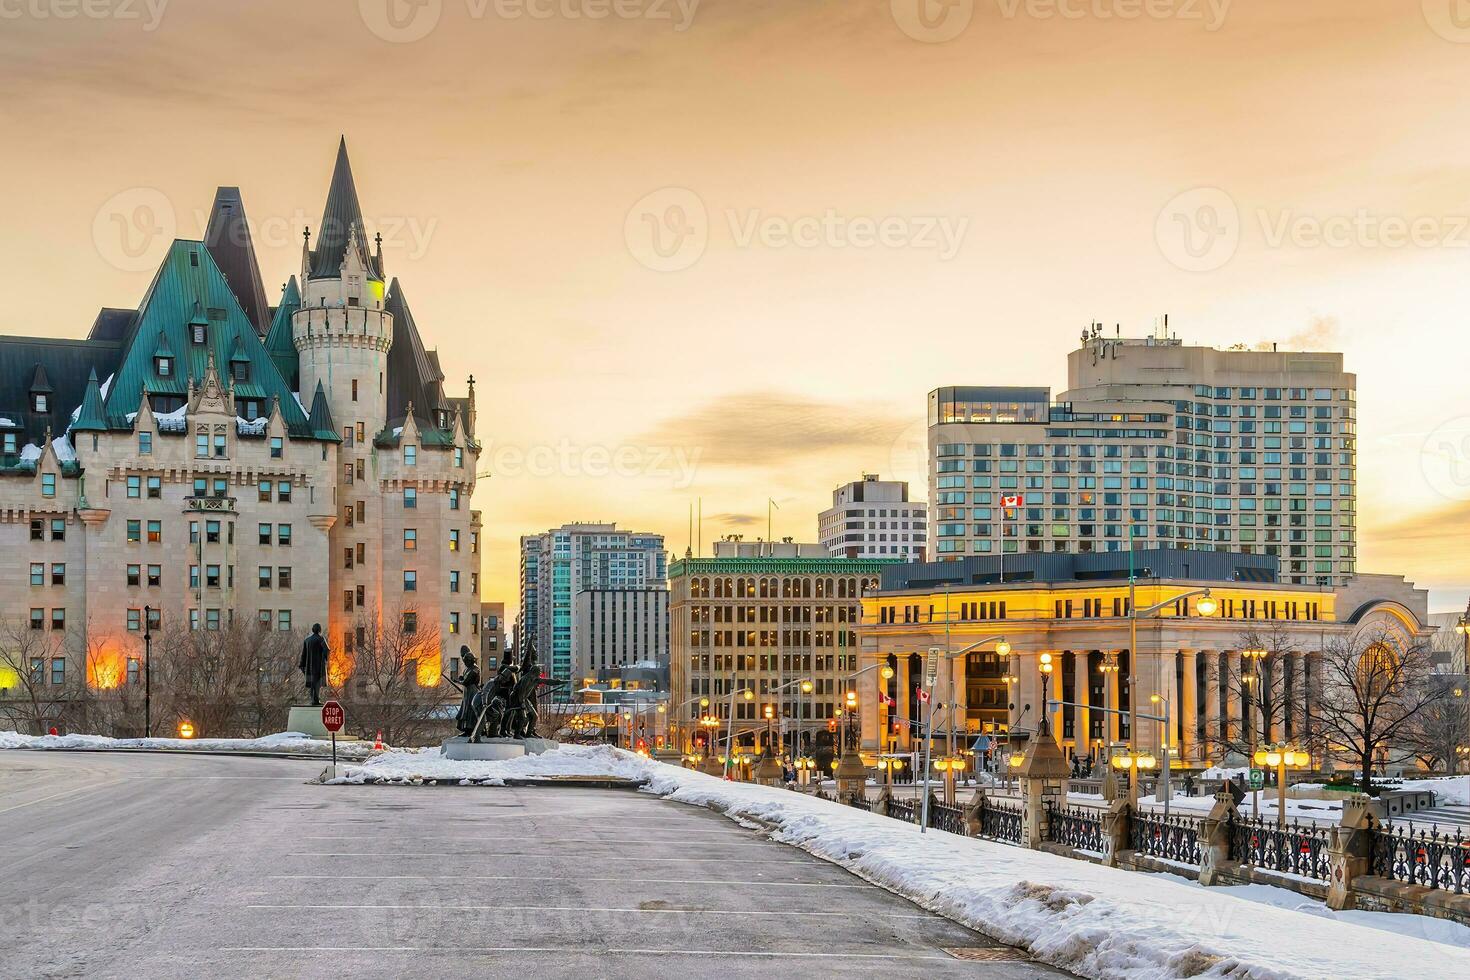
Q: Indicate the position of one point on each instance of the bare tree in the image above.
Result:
(1374, 691)
(394, 685)
(1271, 691)
(42, 679)
(227, 682)
(1440, 727)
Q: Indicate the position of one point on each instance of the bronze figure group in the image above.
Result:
(505, 707)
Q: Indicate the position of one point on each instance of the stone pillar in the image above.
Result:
(1115, 827)
(972, 812)
(1169, 690)
(1043, 777)
(1113, 701)
(1189, 708)
(1081, 717)
(1212, 699)
(1214, 840)
(904, 739)
(1234, 730)
(1348, 852)
(1279, 674)
(1057, 694)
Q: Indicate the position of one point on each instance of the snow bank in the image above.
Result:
(567, 762)
(1096, 922)
(295, 743)
(1447, 790)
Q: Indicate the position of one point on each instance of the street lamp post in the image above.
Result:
(147, 671)
(1002, 649)
(749, 695)
(1280, 758)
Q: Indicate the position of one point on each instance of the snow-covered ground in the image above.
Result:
(1316, 811)
(1094, 921)
(567, 762)
(293, 742)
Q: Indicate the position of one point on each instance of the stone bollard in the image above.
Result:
(852, 777)
(1115, 827)
(1214, 840)
(972, 812)
(1349, 851)
(1043, 776)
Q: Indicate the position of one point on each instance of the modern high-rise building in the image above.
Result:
(558, 565)
(874, 518)
(619, 628)
(1252, 451)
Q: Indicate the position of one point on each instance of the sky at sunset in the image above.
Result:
(722, 249)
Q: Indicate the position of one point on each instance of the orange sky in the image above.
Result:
(849, 211)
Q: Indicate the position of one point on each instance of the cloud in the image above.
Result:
(1321, 333)
(770, 428)
(1420, 545)
(736, 520)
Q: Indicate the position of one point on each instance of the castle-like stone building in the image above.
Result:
(213, 459)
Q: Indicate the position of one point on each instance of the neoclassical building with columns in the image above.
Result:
(1244, 669)
(209, 458)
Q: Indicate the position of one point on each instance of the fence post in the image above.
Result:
(1348, 851)
(885, 796)
(972, 813)
(1214, 840)
(1115, 826)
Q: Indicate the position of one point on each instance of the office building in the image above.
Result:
(874, 518)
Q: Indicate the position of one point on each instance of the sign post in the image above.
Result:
(332, 719)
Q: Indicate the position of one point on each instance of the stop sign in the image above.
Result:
(332, 717)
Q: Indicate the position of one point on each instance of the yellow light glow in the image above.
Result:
(1260, 757)
(806, 687)
(704, 702)
(186, 729)
(105, 668)
(1155, 698)
(1207, 606)
(1273, 759)
(1046, 658)
(851, 698)
(749, 694)
(887, 672)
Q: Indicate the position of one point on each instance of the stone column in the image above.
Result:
(1081, 717)
(1214, 840)
(1189, 708)
(904, 740)
(1113, 701)
(1279, 674)
(1348, 852)
(1169, 689)
(1057, 694)
(1212, 699)
(1234, 730)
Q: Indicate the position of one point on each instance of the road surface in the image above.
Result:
(162, 866)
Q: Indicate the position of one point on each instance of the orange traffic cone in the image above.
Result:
(378, 742)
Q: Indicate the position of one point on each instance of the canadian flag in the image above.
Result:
(886, 700)
(923, 696)
(1010, 500)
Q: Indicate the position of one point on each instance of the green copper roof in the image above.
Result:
(92, 416)
(188, 280)
(321, 422)
(278, 341)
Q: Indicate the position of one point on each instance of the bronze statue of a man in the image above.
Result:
(314, 655)
(465, 720)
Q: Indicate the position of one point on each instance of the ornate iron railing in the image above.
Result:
(1421, 857)
(1173, 838)
(1077, 827)
(947, 818)
(1000, 823)
(905, 810)
(861, 802)
(1298, 849)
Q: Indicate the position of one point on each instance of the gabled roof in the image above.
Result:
(279, 343)
(227, 236)
(66, 365)
(39, 385)
(111, 324)
(414, 377)
(343, 212)
(189, 279)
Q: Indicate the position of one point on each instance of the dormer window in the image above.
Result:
(240, 371)
(40, 403)
(443, 417)
(164, 366)
(198, 333)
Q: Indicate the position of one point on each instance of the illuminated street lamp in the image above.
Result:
(889, 764)
(186, 729)
(1281, 758)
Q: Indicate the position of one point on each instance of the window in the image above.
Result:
(38, 531)
(164, 366)
(410, 498)
(198, 333)
(459, 457)
(283, 576)
(354, 389)
(410, 539)
(264, 576)
(263, 532)
(193, 576)
(283, 491)
(454, 622)
(410, 581)
(211, 619)
(264, 489)
(219, 446)
(40, 404)
(38, 619)
(48, 484)
(410, 455)
(454, 581)
(58, 671)
(211, 531)
(155, 575)
(135, 574)
(154, 618)
(58, 619)
(264, 617)
(58, 529)
(135, 620)
(155, 487)
(410, 622)
(38, 573)
(201, 444)
(155, 532)
(278, 447)
(347, 600)
(283, 535)
(135, 667)
(135, 531)
(211, 576)
(194, 620)
(240, 371)
(283, 620)
(193, 532)
(9, 445)
(58, 574)
(454, 539)
(135, 487)
(454, 498)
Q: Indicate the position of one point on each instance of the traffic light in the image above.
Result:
(831, 724)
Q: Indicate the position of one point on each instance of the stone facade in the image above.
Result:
(219, 475)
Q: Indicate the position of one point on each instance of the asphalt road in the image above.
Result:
(158, 866)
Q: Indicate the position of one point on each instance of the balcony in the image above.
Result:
(213, 505)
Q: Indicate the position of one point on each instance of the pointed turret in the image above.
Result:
(320, 420)
(227, 236)
(278, 342)
(91, 417)
(342, 215)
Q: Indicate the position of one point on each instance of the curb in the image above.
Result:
(574, 782)
(217, 753)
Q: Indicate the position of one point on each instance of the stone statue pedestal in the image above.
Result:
(307, 720)
(461, 749)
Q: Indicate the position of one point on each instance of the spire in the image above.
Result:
(320, 420)
(91, 417)
(227, 236)
(342, 214)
